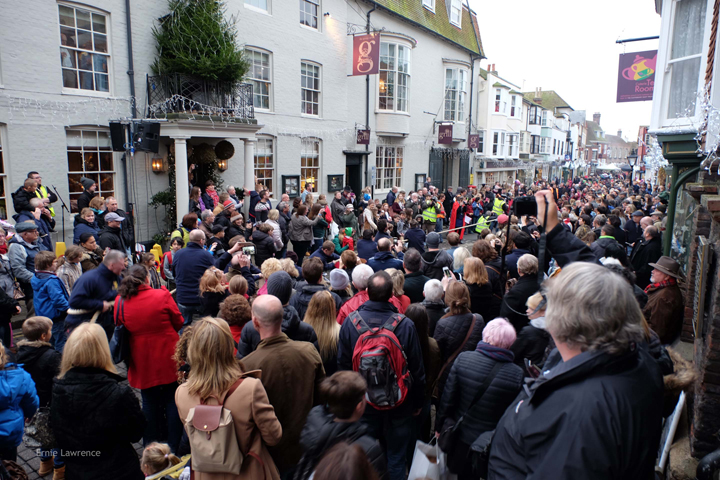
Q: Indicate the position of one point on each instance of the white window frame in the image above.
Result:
(305, 91)
(74, 50)
(456, 6)
(429, 4)
(543, 119)
(498, 99)
(265, 140)
(249, 6)
(255, 81)
(514, 112)
(394, 74)
(481, 147)
(544, 145)
(308, 152)
(85, 148)
(502, 144)
(386, 163)
(496, 144)
(513, 145)
(457, 96)
(304, 15)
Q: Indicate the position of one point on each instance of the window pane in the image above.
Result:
(683, 87)
(100, 43)
(69, 78)
(67, 37)
(74, 183)
(75, 162)
(689, 27)
(107, 182)
(98, 23)
(106, 161)
(85, 60)
(91, 162)
(101, 83)
(83, 19)
(67, 16)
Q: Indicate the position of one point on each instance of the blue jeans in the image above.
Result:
(188, 312)
(395, 433)
(163, 421)
(439, 225)
(59, 462)
(58, 334)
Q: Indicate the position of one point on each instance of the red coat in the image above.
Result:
(153, 319)
(453, 217)
(357, 300)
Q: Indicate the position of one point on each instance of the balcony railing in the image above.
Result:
(185, 94)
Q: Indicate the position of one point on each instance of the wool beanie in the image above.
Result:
(279, 284)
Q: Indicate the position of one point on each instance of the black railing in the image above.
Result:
(179, 93)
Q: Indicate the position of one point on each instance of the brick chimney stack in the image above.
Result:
(596, 118)
(538, 96)
(491, 68)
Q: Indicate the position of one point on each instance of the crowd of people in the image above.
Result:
(323, 339)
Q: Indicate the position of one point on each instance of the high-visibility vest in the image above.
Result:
(498, 206)
(429, 215)
(41, 192)
(482, 224)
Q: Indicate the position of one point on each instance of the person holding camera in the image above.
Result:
(429, 214)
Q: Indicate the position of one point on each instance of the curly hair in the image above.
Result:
(484, 251)
(235, 310)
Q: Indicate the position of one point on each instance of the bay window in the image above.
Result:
(455, 94)
(389, 162)
(394, 77)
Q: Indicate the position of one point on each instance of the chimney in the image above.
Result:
(619, 133)
(538, 96)
(596, 118)
(492, 69)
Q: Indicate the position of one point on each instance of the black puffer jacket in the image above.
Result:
(435, 311)
(292, 326)
(483, 301)
(531, 343)
(433, 263)
(302, 298)
(111, 237)
(513, 304)
(450, 333)
(91, 411)
(468, 373)
(264, 246)
(42, 362)
(321, 433)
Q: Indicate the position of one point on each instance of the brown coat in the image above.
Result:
(292, 372)
(255, 425)
(664, 312)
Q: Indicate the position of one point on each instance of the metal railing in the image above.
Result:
(179, 93)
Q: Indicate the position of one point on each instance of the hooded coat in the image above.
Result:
(531, 343)
(112, 238)
(42, 362)
(433, 263)
(264, 246)
(450, 333)
(383, 260)
(301, 300)
(321, 433)
(91, 260)
(50, 296)
(83, 226)
(18, 401)
(292, 326)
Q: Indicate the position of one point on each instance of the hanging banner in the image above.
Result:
(366, 54)
(363, 137)
(636, 76)
(474, 141)
(445, 134)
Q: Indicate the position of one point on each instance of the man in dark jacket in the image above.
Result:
(327, 255)
(312, 272)
(522, 241)
(126, 225)
(366, 247)
(188, 267)
(338, 420)
(111, 235)
(21, 197)
(633, 229)
(572, 418)
(394, 425)
(385, 258)
(620, 234)
(414, 279)
(416, 237)
(435, 259)
(645, 252)
(89, 187)
(665, 305)
(606, 238)
(280, 285)
(513, 305)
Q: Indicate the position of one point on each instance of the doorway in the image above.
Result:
(353, 173)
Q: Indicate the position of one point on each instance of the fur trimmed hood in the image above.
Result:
(683, 376)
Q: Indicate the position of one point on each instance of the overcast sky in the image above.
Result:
(569, 46)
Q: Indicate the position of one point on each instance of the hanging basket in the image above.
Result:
(204, 154)
(224, 150)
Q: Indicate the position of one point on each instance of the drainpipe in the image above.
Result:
(133, 108)
(367, 105)
(677, 183)
(472, 90)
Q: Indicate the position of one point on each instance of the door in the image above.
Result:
(464, 177)
(435, 170)
(353, 173)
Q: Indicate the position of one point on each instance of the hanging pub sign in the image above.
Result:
(363, 137)
(636, 76)
(445, 134)
(366, 54)
(474, 141)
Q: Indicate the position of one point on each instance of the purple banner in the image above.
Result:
(366, 54)
(636, 76)
(445, 134)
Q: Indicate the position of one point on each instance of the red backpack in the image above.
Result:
(167, 257)
(380, 359)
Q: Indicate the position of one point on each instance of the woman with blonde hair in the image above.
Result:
(459, 256)
(321, 315)
(269, 266)
(398, 280)
(92, 411)
(482, 300)
(213, 291)
(214, 374)
(273, 219)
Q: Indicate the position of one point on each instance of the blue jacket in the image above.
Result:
(18, 401)
(43, 228)
(49, 295)
(329, 262)
(82, 226)
(416, 239)
(383, 260)
(366, 249)
(89, 292)
(375, 314)
(188, 267)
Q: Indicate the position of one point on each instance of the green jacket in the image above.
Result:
(338, 248)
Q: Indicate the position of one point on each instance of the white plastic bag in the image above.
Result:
(429, 463)
(334, 229)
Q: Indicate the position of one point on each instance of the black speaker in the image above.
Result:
(147, 137)
(117, 136)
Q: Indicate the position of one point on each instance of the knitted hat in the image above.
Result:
(87, 182)
(227, 204)
(339, 279)
(279, 284)
(433, 240)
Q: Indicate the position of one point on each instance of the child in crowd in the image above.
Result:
(158, 462)
(166, 271)
(347, 241)
(148, 259)
(50, 296)
(42, 362)
(69, 269)
(338, 241)
(212, 291)
(238, 286)
(235, 310)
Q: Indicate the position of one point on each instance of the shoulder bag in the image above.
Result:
(120, 341)
(452, 357)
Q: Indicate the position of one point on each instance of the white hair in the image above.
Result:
(527, 264)
(459, 256)
(361, 275)
(205, 214)
(433, 291)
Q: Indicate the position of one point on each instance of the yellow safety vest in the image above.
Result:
(429, 215)
(41, 192)
(497, 206)
(482, 225)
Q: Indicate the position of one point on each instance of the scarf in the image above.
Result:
(657, 286)
(496, 353)
(214, 195)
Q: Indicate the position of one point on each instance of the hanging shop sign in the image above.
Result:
(445, 134)
(474, 141)
(366, 54)
(363, 137)
(636, 76)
